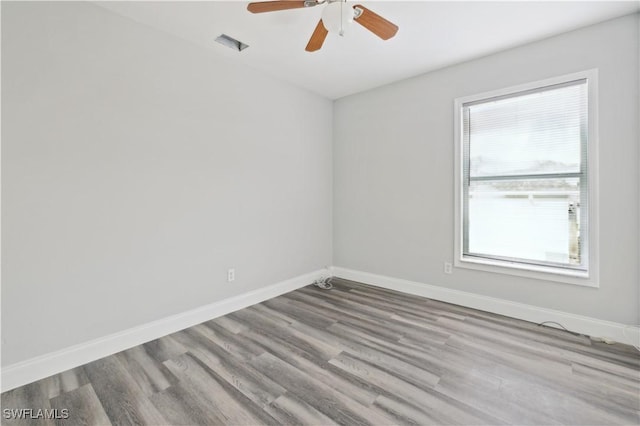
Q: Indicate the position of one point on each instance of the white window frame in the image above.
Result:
(588, 278)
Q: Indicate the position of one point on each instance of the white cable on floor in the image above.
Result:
(324, 283)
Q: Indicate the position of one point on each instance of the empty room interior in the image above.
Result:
(320, 212)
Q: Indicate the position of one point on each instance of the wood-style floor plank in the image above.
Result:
(323, 398)
(151, 375)
(84, 404)
(65, 382)
(230, 405)
(164, 348)
(183, 404)
(241, 375)
(121, 397)
(319, 370)
(289, 410)
(353, 355)
(32, 396)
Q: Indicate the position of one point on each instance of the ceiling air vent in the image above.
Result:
(231, 42)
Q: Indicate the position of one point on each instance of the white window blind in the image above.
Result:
(525, 197)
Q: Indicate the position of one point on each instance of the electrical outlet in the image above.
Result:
(231, 275)
(448, 268)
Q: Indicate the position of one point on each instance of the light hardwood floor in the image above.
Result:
(352, 355)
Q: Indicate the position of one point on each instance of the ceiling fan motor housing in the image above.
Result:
(337, 16)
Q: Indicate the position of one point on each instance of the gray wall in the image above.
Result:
(137, 168)
(393, 171)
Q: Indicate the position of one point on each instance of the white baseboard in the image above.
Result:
(581, 324)
(37, 368)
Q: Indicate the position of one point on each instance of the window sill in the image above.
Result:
(545, 273)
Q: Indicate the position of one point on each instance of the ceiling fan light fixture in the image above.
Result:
(337, 16)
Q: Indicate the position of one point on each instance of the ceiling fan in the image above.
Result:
(336, 18)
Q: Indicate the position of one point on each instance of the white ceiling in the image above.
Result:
(432, 35)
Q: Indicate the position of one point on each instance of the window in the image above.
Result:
(525, 184)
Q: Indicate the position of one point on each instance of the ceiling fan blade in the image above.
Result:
(375, 23)
(272, 6)
(317, 38)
